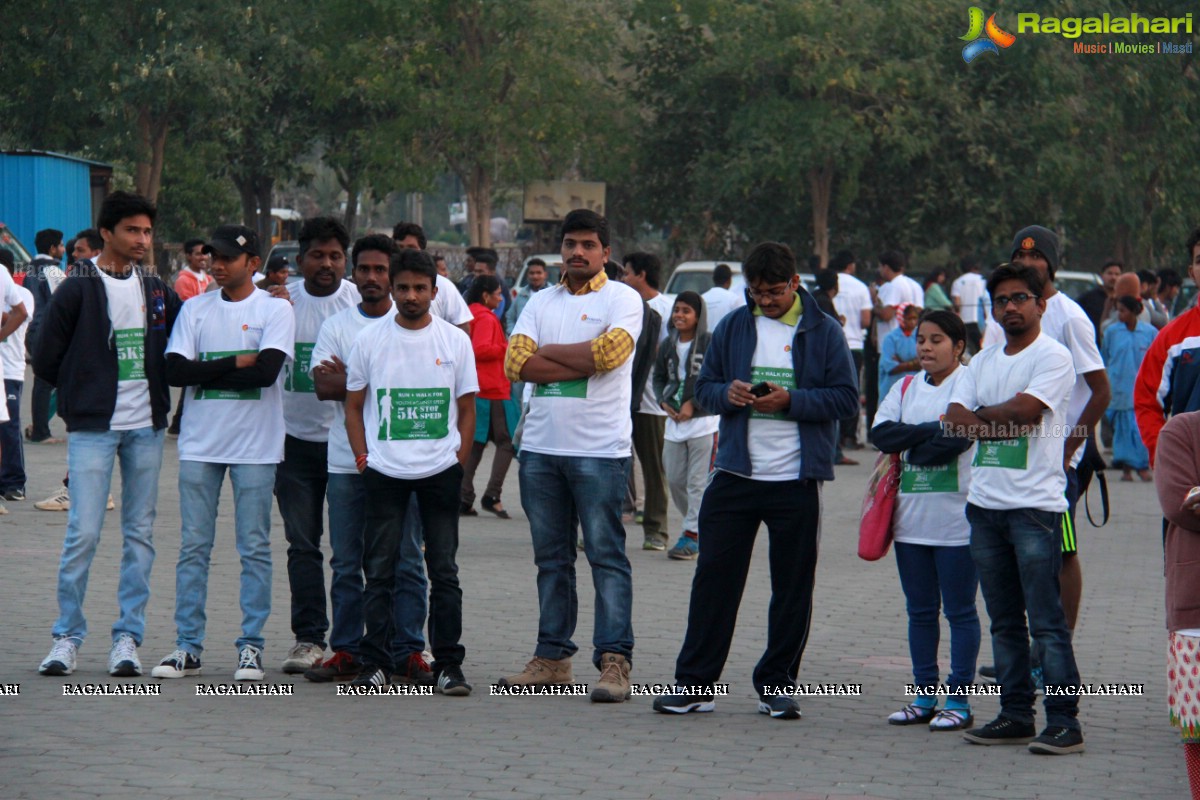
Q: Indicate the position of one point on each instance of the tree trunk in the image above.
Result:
(349, 184)
(152, 141)
(820, 183)
(479, 205)
(263, 187)
(249, 204)
(1120, 248)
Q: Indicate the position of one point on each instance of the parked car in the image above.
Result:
(290, 251)
(1074, 283)
(696, 276)
(553, 271)
(10, 242)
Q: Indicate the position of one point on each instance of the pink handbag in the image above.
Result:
(879, 503)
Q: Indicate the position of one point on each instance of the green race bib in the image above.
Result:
(413, 413)
(782, 377)
(1005, 454)
(576, 388)
(226, 394)
(131, 354)
(298, 378)
(922, 480)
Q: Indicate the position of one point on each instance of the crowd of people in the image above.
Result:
(371, 387)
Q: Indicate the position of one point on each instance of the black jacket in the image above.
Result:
(644, 352)
(77, 348)
(666, 366)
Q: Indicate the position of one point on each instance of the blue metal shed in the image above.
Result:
(41, 190)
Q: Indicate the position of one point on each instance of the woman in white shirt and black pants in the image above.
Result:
(931, 532)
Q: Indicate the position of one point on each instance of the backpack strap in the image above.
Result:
(1103, 481)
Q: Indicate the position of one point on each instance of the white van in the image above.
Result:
(696, 276)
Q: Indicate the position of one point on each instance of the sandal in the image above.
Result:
(912, 715)
(492, 504)
(952, 719)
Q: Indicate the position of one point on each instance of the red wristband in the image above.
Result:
(360, 461)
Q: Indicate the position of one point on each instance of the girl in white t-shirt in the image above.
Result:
(931, 532)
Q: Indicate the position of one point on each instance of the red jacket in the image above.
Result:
(487, 339)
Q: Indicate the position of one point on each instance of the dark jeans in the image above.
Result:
(933, 579)
(648, 432)
(301, 480)
(848, 426)
(730, 515)
(39, 409)
(871, 382)
(12, 452)
(1018, 554)
(387, 503)
(499, 434)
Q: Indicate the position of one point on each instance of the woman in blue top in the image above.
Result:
(898, 353)
(1124, 346)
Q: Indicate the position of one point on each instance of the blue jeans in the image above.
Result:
(934, 578)
(347, 524)
(90, 457)
(199, 491)
(300, 486)
(12, 454)
(1018, 554)
(554, 491)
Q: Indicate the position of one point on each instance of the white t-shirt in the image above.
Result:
(449, 304)
(663, 304)
(852, 299)
(588, 417)
(932, 503)
(413, 381)
(774, 439)
(304, 416)
(337, 339)
(900, 289)
(695, 427)
(229, 426)
(12, 349)
(971, 289)
(719, 301)
(1025, 472)
(127, 312)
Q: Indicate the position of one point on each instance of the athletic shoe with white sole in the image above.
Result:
(250, 666)
(61, 660)
(684, 703)
(123, 658)
(180, 664)
(302, 657)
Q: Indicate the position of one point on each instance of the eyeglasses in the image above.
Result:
(774, 294)
(1021, 298)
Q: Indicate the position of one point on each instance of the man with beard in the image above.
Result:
(301, 478)
(1014, 400)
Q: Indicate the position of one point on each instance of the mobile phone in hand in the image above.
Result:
(760, 389)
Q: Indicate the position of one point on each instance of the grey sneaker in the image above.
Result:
(302, 657)
(61, 660)
(123, 658)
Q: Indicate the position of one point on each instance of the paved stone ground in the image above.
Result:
(315, 744)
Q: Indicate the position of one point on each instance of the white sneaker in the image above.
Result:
(123, 658)
(61, 660)
(302, 657)
(59, 501)
(249, 664)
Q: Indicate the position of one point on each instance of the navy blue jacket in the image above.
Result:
(827, 387)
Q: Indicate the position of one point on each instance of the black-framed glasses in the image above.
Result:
(1021, 298)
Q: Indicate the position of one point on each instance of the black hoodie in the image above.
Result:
(666, 366)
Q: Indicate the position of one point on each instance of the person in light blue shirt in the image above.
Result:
(898, 354)
(1123, 348)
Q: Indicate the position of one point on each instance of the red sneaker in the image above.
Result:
(414, 671)
(341, 666)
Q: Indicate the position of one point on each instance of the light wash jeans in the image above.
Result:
(90, 458)
(199, 490)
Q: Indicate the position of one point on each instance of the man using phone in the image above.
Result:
(779, 373)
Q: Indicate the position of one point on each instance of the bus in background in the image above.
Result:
(285, 224)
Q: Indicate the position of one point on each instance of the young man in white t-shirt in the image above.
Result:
(301, 478)
(410, 421)
(969, 293)
(895, 289)
(12, 356)
(1013, 399)
(853, 301)
(720, 299)
(642, 272)
(102, 347)
(575, 343)
(227, 350)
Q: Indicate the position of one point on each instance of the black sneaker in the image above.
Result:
(180, 664)
(780, 706)
(451, 682)
(1057, 741)
(14, 495)
(1002, 730)
(987, 674)
(684, 703)
(371, 675)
